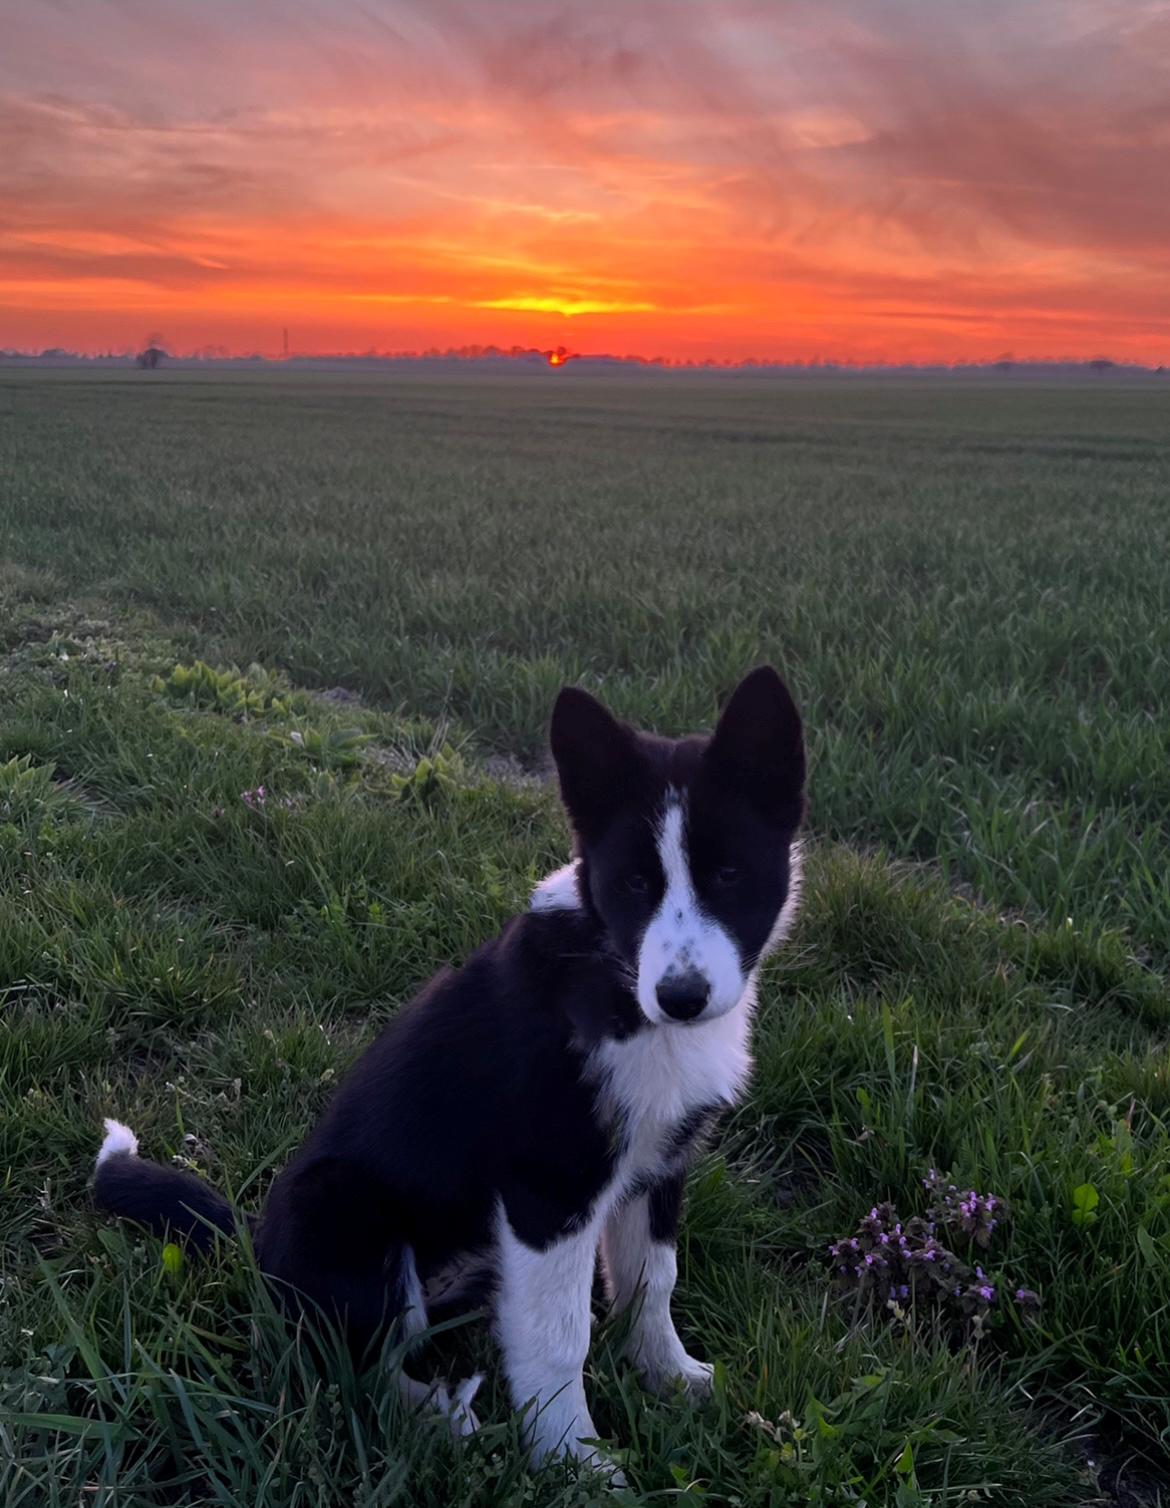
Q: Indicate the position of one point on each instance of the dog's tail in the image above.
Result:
(166, 1200)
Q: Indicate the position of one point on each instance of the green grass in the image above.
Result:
(966, 587)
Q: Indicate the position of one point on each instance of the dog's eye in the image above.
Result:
(637, 883)
(726, 874)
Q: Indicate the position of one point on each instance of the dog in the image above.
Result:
(543, 1101)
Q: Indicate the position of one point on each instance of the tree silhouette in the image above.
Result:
(153, 352)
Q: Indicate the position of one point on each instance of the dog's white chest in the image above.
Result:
(652, 1083)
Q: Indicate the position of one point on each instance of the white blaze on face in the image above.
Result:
(681, 939)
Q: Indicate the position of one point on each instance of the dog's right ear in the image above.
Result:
(596, 758)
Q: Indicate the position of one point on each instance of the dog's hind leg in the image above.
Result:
(331, 1236)
(453, 1405)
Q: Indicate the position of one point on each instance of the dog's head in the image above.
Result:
(685, 846)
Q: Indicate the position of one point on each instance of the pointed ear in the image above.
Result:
(758, 744)
(596, 758)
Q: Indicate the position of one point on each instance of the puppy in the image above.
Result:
(542, 1102)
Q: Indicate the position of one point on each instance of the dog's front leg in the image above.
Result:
(638, 1252)
(543, 1321)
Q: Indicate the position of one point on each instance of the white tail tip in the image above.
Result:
(119, 1138)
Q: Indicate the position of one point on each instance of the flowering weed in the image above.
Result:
(928, 1259)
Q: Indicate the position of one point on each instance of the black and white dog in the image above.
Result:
(543, 1100)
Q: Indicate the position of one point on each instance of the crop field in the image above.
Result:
(277, 653)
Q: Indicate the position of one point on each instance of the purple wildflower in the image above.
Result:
(917, 1260)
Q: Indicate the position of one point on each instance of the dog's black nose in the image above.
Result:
(683, 996)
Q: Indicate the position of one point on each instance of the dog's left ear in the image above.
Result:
(758, 745)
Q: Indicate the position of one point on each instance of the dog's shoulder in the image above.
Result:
(558, 892)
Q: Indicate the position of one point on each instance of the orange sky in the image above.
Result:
(858, 179)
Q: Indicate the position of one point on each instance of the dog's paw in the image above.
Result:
(609, 1471)
(695, 1378)
(457, 1406)
(559, 1434)
(591, 1458)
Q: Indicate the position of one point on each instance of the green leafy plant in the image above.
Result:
(433, 777)
(329, 747)
(30, 797)
(228, 691)
(1085, 1200)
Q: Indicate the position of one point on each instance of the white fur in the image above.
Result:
(557, 891)
(542, 1318)
(118, 1138)
(640, 1273)
(787, 918)
(680, 938)
(653, 1080)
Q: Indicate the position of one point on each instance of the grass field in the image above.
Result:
(966, 587)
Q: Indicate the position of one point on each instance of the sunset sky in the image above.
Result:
(852, 179)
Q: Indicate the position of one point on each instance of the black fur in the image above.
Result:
(666, 1207)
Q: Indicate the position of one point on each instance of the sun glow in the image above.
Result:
(570, 308)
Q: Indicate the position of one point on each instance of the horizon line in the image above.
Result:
(560, 357)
